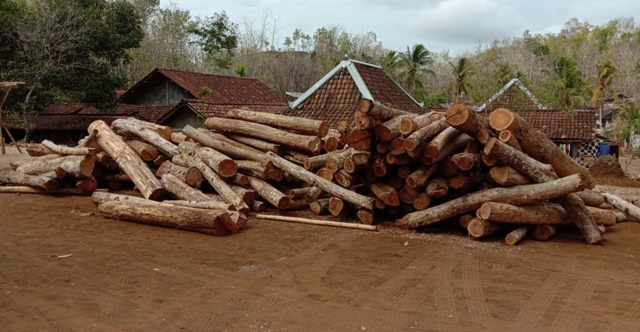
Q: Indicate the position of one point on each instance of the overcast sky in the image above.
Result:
(455, 25)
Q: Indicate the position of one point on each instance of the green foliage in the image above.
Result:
(241, 71)
(601, 82)
(630, 121)
(436, 100)
(567, 87)
(461, 72)
(414, 65)
(205, 90)
(218, 37)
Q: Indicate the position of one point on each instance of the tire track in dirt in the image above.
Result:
(472, 289)
(532, 312)
(630, 319)
(582, 290)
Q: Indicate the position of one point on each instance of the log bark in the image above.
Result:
(320, 206)
(317, 222)
(466, 120)
(211, 205)
(259, 144)
(247, 195)
(99, 197)
(424, 134)
(380, 111)
(438, 187)
(303, 125)
(516, 235)
(218, 184)
(344, 178)
(538, 145)
(590, 197)
(360, 139)
(259, 206)
(507, 176)
(433, 148)
(88, 184)
(270, 194)
(78, 166)
(149, 135)
(335, 160)
(479, 228)
(223, 144)
(35, 181)
(190, 175)
(458, 144)
(545, 213)
(67, 150)
(215, 222)
(146, 151)
(302, 142)
(38, 150)
(544, 232)
(386, 193)
(409, 125)
(388, 130)
(539, 173)
(326, 185)
(164, 131)
(466, 161)
(622, 205)
(525, 194)
(223, 165)
(297, 192)
(181, 190)
(128, 161)
(507, 137)
(421, 176)
(177, 138)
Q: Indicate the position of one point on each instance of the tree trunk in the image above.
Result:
(211, 205)
(386, 193)
(365, 216)
(421, 202)
(397, 146)
(433, 148)
(438, 187)
(622, 205)
(516, 235)
(326, 185)
(181, 190)
(320, 206)
(421, 176)
(507, 137)
(466, 120)
(223, 165)
(507, 176)
(479, 228)
(538, 145)
(590, 197)
(164, 131)
(146, 151)
(424, 134)
(325, 173)
(272, 195)
(409, 125)
(540, 173)
(544, 232)
(336, 206)
(218, 184)
(302, 142)
(303, 125)
(78, 166)
(177, 138)
(360, 139)
(460, 182)
(335, 161)
(35, 181)
(259, 206)
(37, 150)
(466, 161)
(247, 195)
(149, 135)
(128, 161)
(525, 194)
(215, 222)
(298, 192)
(344, 179)
(99, 197)
(546, 213)
(88, 185)
(67, 150)
(190, 175)
(223, 144)
(259, 144)
(389, 130)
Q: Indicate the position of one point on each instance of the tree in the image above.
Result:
(218, 37)
(629, 129)
(568, 85)
(601, 83)
(414, 65)
(461, 71)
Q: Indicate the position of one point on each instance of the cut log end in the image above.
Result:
(457, 114)
(159, 195)
(501, 119)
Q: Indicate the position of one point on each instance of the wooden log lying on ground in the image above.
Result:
(31, 190)
(128, 161)
(147, 152)
(544, 232)
(466, 120)
(424, 134)
(259, 144)
(318, 222)
(320, 206)
(543, 213)
(302, 142)
(479, 228)
(538, 145)
(149, 135)
(507, 176)
(164, 131)
(67, 150)
(380, 111)
(312, 179)
(181, 190)
(303, 125)
(189, 175)
(223, 144)
(78, 166)
(12, 177)
(525, 194)
(211, 205)
(37, 150)
(103, 196)
(271, 194)
(215, 222)
(622, 205)
(516, 235)
(218, 184)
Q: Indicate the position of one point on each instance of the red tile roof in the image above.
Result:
(208, 110)
(78, 116)
(227, 90)
(337, 96)
(558, 125)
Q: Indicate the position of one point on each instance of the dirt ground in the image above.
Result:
(65, 268)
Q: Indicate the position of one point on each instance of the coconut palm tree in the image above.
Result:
(601, 83)
(461, 71)
(414, 65)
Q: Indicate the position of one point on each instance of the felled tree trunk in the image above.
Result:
(433, 148)
(507, 176)
(37, 150)
(360, 139)
(379, 110)
(218, 184)
(181, 190)
(211, 205)
(538, 145)
(479, 228)
(525, 194)
(547, 213)
(67, 150)
(622, 205)
(190, 175)
(223, 144)
(259, 144)
(128, 161)
(272, 195)
(421, 176)
(303, 125)
(386, 193)
(164, 131)
(302, 142)
(146, 151)
(78, 166)
(390, 129)
(215, 222)
(35, 181)
(466, 120)
(516, 235)
(320, 206)
(149, 135)
(409, 125)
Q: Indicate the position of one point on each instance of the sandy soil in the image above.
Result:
(65, 268)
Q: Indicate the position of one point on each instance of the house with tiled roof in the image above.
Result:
(335, 96)
(515, 96)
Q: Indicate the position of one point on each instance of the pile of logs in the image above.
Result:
(491, 175)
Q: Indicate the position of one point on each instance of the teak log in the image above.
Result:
(19, 178)
(386, 193)
(507, 137)
(88, 184)
(433, 148)
(456, 145)
(336, 206)
(516, 235)
(37, 150)
(164, 131)
(146, 151)
(78, 166)
(397, 146)
(247, 195)
(259, 144)
(326, 185)
(303, 125)
(67, 150)
(545, 213)
(466, 120)
(223, 165)
(540, 173)
(336, 159)
(466, 160)
(409, 125)
(302, 142)
(438, 187)
(365, 122)
(590, 197)
(272, 195)
(190, 175)
(425, 133)
(421, 176)
(211, 205)
(215, 222)
(128, 161)
(181, 190)
(507, 176)
(365, 216)
(538, 145)
(320, 206)
(622, 205)
(479, 228)
(99, 197)
(421, 202)
(298, 192)
(360, 139)
(544, 232)
(344, 178)
(259, 206)
(177, 138)
(223, 144)
(325, 173)
(218, 184)
(295, 156)
(388, 130)
(317, 222)
(149, 135)
(525, 194)
(379, 110)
